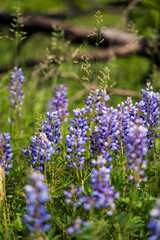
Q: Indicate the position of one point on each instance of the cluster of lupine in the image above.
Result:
(77, 138)
(59, 103)
(154, 223)
(149, 106)
(5, 152)
(102, 192)
(16, 91)
(45, 144)
(77, 225)
(111, 128)
(137, 147)
(100, 130)
(36, 196)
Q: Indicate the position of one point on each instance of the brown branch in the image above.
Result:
(116, 91)
(37, 22)
(117, 51)
(138, 48)
(87, 87)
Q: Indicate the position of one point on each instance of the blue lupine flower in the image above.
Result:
(105, 137)
(136, 150)
(5, 152)
(77, 138)
(36, 195)
(102, 194)
(59, 103)
(95, 102)
(127, 114)
(77, 225)
(51, 128)
(45, 144)
(16, 91)
(71, 195)
(149, 106)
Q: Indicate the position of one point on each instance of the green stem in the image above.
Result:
(91, 212)
(77, 174)
(133, 197)
(156, 169)
(5, 208)
(45, 168)
(117, 225)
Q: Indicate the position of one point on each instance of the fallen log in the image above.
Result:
(138, 48)
(37, 22)
(115, 91)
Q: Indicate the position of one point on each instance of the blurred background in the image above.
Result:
(76, 42)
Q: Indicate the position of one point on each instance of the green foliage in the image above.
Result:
(58, 42)
(131, 218)
(98, 28)
(104, 78)
(86, 70)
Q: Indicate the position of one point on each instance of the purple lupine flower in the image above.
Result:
(149, 106)
(127, 114)
(106, 129)
(77, 138)
(36, 195)
(59, 103)
(5, 152)
(136, 150)
(51, 128)
(102, 192)
(45, 144)
(105, 137)
(16, 91)
(154, 223)
(71, 195)
(41, 150)
(77, 225)
(132, 109)
(95, 102)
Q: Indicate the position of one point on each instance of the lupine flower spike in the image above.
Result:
(127, 115)
(136, 150)
(59, 103)
(102, 195)
(36, 195)
(149, 106)
(16, 91)
(102, 192)
(5, 152)
(44, 145)
(77, 138)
